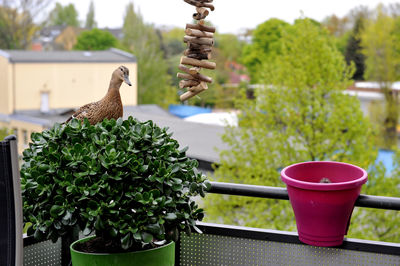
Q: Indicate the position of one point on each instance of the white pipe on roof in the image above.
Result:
(365, 95)
(375, 85)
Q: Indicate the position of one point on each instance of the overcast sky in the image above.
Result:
(230, 16)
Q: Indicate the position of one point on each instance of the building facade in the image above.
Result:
(56, 80)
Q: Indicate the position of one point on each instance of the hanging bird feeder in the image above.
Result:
(200, 40)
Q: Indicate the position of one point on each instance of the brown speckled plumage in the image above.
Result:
(108, 107)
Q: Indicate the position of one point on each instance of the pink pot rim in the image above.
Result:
(324, 186)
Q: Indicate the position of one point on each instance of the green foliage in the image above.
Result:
(374, 224)
(265, 46)
(3, 133)
(16, 28)
(353, 50)
(300, 115)
(95, 39)
(230, 46)
(380, 47)
(172, 42)
(376, 114)
(341, 42)
(125, 180)
(144, 42)
(63, 16)
(90, 21)
(227, 54)
(173, 63)
(336, 26)
(172, 47)
(338, 30)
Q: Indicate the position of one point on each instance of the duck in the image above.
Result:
(110, 106)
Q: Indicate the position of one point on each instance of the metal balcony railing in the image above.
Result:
(235, 245)
(368, 201)
(218, 245)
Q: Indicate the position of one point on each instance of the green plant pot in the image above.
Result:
(162, 256)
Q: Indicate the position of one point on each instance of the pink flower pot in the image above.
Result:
(323, 210)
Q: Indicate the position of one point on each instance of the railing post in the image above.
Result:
(66, 242)
(178, 252)
(11, 246)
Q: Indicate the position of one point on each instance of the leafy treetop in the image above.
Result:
(300, 114)
(63, 16)
(95, 39)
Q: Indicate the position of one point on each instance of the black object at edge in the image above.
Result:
(7, 208)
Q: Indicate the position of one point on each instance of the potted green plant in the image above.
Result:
(123, 181)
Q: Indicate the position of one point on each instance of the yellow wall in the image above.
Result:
(68, 84)
(6, 96)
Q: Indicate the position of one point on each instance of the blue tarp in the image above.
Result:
(183, 111)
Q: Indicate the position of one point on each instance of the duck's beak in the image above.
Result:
(127, 81)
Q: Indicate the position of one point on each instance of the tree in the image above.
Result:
(357, 12)
(354, 50)
(338, 29)
(335, 25)
(173, 48)
(230, 46)
(90, 21)
(153, 79)
(63, 16)
(3, 133)
(375, 224)
(381, 46)
(301, 114)
(265, 46)
(16, 22)
(173, 42)
(392, 10)
(95, 39)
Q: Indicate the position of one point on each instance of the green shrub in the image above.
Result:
(3, 133)
(125, 180)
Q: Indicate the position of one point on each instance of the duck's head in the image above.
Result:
(122, 74)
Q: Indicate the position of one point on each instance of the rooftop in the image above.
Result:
(203, 140)
(108, 56)
(201, 133)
